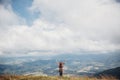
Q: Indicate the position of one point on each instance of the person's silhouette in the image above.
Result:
(61, 68)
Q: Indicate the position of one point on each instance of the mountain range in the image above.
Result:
(75, 64)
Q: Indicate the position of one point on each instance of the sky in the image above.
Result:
(51, 27)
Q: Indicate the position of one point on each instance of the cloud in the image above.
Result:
(7, 16)
(63, 26)
(93, 21)
(118, 1)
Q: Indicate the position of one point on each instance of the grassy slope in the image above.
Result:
(8, 77)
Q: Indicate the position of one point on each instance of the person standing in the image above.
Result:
(61, 64)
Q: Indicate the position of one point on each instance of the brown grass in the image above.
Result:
(21, 77)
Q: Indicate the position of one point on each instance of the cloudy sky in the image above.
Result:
(42, 27)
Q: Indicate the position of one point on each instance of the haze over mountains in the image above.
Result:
(75, 64)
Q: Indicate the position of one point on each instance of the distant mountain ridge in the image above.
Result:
(75, 64)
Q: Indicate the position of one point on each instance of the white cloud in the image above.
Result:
(85, 69)
(93, 24)
(64, 26)
(8, 17)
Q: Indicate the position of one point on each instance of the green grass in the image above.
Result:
(14, 77)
